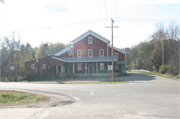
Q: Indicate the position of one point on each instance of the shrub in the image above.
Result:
(163, 69)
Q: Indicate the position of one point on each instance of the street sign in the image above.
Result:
(110, 67)
(12, 67)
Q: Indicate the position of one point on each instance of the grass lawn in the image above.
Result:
(12, 98)
(33, 80)
(77, 82)
(159, 74)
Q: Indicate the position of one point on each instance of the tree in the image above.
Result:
(8, 48)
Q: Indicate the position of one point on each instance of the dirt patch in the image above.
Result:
(56, 99)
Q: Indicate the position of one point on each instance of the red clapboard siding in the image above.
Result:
(95, 46)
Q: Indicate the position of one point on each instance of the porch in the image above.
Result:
(84, 69)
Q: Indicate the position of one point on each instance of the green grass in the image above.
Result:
(17, 98)
(65, 78)
(115, 82)
(158, 74)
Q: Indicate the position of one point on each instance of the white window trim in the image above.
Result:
(80, 53)
(117, 55)
(91, 40)
(71, 52)
(100, 67)
(78, 67)
(32, 66)
(92, 52)
(44, 65)
(100, 52)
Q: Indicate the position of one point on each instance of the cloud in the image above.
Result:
(52, 7)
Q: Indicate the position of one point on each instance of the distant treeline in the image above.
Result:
(149, 53)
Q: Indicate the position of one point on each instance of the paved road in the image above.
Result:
(148, 97)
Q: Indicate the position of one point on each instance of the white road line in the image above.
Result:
(91, 93)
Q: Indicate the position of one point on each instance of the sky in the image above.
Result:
(41, 21)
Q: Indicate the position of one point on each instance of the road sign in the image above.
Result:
(110, 67)
(12, 67)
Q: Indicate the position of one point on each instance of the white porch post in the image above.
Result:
(96, 67)
(64, 68)
(73, 69)
(107, 67)
(124, 67)
(85, 67)
(62, 71)
(36, 69)
(56, 70)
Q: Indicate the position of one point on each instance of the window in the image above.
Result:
(116, 67)
(44, 66)
(70, 52)
(89, 40)
(101, 52)
(90, 52)
(101, 66)
(79, 67)
(79, 53)
(116, 55)
(32, 66)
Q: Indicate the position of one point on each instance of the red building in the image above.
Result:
(89, 55)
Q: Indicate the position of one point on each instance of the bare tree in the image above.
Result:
(8, 47)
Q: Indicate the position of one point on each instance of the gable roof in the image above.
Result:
(64, 50)
(117, 49)
(92, 33)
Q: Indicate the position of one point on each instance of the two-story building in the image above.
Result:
(88, 55)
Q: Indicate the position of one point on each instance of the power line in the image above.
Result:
(99, 11)
(93, 22)
(144, 19)
(106, 9)
(64, 25)
(117, 10)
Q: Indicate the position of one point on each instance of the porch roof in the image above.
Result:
(121, 62)
(87, 59)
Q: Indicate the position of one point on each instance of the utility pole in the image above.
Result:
(163, 51)
(112, 56)
(162, 39)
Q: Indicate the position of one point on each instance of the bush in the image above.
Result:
(163, 69)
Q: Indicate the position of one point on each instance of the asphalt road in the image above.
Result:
(148, 97)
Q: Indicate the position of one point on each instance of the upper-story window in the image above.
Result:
(90, 40)
(116, 55)
(70, 52)
(79, 53)
(101, 52)
(90, 52)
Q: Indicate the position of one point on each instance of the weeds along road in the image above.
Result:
(148, 97)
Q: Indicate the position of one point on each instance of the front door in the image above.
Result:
(90, 68)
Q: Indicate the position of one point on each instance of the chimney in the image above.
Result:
(46, 49)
